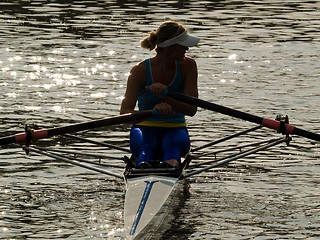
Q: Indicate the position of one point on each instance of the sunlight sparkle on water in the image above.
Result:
(33, 76)
(99, 66)
(68, 60)
(72, 82)
(48, 86)
(66, 79)
(36, 67)
(98, 95)
(15, 58)
(69, 76)
(12, 95)
(5, 69)
(73, 93)
(57, 108)
(36, 58)
(94, 70)
(112, 232)
(114, 76)
(232, 56)
(57, 51)
(32, 108)
(13, 74)
(85, 71)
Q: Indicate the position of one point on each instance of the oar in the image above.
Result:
(266, 122)
(31, 135)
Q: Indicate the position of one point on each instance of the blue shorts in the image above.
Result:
(159, 143)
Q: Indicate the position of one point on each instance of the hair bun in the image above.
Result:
(149, 42)
(153, 36)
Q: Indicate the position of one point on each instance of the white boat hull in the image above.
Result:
(145, 204)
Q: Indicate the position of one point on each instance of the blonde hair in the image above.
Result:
(166, 30)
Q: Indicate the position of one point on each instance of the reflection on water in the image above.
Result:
(72, 22)
(67, 61)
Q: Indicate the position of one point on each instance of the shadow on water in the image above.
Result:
(173, 228)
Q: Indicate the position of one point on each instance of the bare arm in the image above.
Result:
(135, 81)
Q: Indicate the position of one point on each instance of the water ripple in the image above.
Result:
(64, 62)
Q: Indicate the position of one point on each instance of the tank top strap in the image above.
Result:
(178, 73)
(177, 85)
(149, 79)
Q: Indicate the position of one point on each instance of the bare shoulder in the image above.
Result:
(188, 63)
(139, 68)
(138, 74)
(189, 67)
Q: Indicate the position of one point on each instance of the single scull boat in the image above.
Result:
(147, 199)
(149, 191)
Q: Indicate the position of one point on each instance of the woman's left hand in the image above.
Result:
(157, 88)
(164, 108)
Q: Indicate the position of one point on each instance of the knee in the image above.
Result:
(179, 138)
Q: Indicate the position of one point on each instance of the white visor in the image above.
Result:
(182, 39)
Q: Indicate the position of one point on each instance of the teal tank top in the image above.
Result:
(147, 101)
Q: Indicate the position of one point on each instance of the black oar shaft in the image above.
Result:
(125, 118)
(45, 133)
(215, 107)
(269, 123)
(307, 134)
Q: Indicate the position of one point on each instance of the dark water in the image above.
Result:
(67, 61)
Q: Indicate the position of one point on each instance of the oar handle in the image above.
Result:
(164, 92)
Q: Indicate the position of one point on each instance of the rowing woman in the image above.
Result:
(164, 136)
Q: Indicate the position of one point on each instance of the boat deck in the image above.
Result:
(131, 171)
